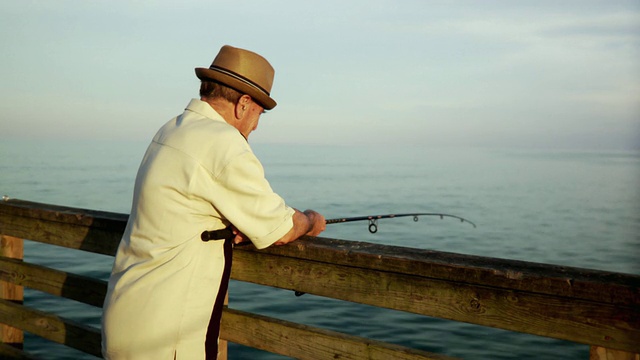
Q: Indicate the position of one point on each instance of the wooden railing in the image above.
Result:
(597, 308)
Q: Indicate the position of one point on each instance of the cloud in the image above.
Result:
(456, 73)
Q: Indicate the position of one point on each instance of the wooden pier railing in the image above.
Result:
(597, 308)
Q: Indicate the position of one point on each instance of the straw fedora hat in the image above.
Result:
(244, 71)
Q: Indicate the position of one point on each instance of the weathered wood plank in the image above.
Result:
(66, 214)
(305, 342)
(11, 247)
(71, 286)
(87, 238)
(571, 282)
(68, 332)
(93, 231)
(576, 320)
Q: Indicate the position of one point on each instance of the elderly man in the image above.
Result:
(167, 287)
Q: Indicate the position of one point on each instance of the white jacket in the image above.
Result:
(199, 173)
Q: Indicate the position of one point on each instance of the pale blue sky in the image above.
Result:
(562, 74)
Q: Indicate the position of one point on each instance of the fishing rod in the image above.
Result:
(373, 219)
(373, 223)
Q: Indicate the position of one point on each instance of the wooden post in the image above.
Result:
(11, 247)
(600, 353)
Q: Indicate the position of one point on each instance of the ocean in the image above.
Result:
(564, 207)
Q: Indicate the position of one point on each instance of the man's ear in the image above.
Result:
(242, 106)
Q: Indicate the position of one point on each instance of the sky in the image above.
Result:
(536, 74)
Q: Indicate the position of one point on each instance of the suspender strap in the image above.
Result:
(213, 330)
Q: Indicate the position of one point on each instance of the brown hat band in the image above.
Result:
(238, 77)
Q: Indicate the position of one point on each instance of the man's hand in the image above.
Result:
(239, 236)
(318, 222)
(308, 222)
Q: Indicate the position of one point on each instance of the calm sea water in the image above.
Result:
(572, 208)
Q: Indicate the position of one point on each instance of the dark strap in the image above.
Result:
(213, 330)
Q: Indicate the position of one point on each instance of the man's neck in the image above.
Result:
(222, 107)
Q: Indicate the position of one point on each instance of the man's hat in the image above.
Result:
(244, 71)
